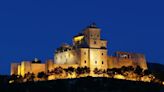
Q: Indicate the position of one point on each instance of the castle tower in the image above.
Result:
(88, 49)
(96, 51)
(92, 36)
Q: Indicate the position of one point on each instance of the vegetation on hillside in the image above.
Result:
(126, 73)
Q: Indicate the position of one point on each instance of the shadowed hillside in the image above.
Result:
(88, 84)
(157, 70)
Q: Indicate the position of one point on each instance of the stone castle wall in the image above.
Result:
(127, 59)
(36, 68)
(49, 66)
(14, 68)
(27, 67)
(98, 59)
(67, 57)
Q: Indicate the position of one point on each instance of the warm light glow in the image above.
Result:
(118, 76)
(145, 79)
(51, 77)
(163, 82)
(89, 50)
(11, 81)
(19, 69)
(22, 69)
(78, 38)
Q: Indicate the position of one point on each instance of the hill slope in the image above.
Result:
(88, 84)
(157, 70)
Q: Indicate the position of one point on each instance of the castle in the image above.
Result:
(88, 49)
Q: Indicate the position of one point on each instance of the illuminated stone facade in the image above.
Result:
(88, 49)
(49, 66)
(14, 68)
(26, 67)
(127, 59)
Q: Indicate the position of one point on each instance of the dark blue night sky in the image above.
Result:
(30, 29)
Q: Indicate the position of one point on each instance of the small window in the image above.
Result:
(95, 62)
(102, 53)
(84, 53)
(102, 62)
(94, 42)
(85, 61)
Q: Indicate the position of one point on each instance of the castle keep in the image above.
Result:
(88, 49)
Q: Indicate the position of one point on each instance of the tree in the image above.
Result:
(58, 70)
(41, 75)
(130, 68)
(82, 70)
(32, 76)
(95, 70)
(98, 71)
(138, 70)
(71, 70)
(124, 69)
(29, 76)
(79, 71)
(147, 72)
(20, 79)
(110, 72)
(14, 77)
(86, 70)
(116, 70)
